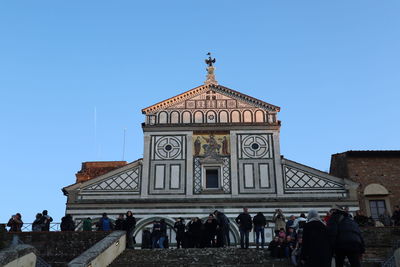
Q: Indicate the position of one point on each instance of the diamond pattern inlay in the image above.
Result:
(226, 178)
(128, 180)
(298, 179)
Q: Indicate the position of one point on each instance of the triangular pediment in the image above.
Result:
(211, 97)
(126, 178)
(300, 178)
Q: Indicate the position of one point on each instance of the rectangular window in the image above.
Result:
(377, 208)
(212, 178)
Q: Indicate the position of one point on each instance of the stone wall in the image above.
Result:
(380, 241)
(58, 248)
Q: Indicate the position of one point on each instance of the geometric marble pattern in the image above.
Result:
(298, 179)
(127, 180)
(226, 177)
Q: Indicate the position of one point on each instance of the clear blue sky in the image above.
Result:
(332, 66)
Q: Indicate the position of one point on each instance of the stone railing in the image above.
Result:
(103, 252)
(19, 255)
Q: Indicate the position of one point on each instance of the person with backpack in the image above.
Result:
(245, 225)
(345, 238)
(105, 223)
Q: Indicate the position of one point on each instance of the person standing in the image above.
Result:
(119, 223)
(210, 230)
(129, 226)
(223, 229)
(67, 223)
(163, 234)
(15, 223)
(194, 229)
(279, 220)
(155, 234)
(245, 226)
(316, 250)
(396, 216)
(259, 222)
(179, 227)
(46, 221)
(105, 223)
(87, 224)
(345, 238)
(38, 223)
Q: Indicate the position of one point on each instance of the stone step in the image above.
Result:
(225, 257)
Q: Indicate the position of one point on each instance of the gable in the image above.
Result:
(299, 178)
(211, 104)
(124, 179)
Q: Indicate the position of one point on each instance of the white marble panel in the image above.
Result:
(175, 176)
(248, 175)
(264, 175)
(160, 176)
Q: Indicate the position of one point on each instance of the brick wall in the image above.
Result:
(366, 167)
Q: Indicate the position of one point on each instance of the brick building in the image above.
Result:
(377, 172)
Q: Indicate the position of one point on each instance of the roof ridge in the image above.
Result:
(199, 89)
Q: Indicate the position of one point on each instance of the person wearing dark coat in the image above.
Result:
(316, 250)
(15, 223)
(67, 223)
(46, 221)
(179, 227)
(129, 227)
(210, 231)
(396, 216)
(345, 238)
(119, 223)
(223, 229)
(194, 230)
(245, 225)
(163, 235)
(155, 234)
(259, 222)
(272, 247)
(38, 223)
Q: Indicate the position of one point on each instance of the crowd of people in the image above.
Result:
(212, 232)
(305, 241)
(313, 241)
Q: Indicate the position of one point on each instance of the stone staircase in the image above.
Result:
(221, 257)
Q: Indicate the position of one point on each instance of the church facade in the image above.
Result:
(209, 148)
